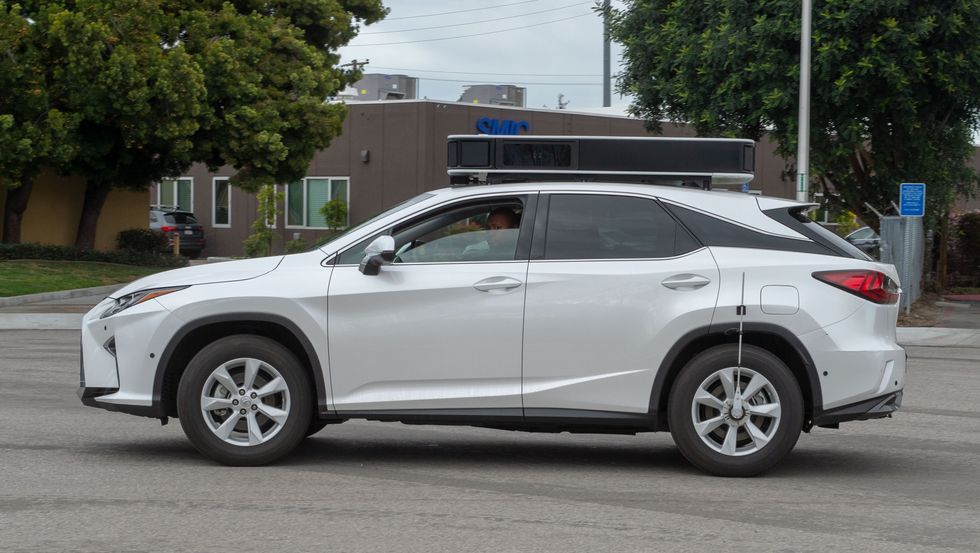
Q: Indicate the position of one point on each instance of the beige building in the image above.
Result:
(55, 208)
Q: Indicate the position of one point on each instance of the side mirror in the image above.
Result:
(379, 252)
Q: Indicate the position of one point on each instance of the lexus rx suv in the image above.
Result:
(730, 320)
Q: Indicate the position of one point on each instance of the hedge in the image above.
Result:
(69, 253)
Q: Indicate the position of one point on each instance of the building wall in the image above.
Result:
(404, 143)
(55, 208)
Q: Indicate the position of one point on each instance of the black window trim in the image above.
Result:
(789, 216)
(819, 247)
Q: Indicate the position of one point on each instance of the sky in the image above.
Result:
(549, 47)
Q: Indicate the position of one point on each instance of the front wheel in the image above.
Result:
(731, 421)
(245, 400)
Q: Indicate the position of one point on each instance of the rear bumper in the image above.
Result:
(874, 408)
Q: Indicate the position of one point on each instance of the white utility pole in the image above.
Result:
(803, 149)
(606, 81)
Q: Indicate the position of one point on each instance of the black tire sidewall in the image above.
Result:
(233, 347)
(682, 425)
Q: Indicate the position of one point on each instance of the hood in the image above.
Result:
(209, 273)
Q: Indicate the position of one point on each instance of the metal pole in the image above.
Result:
(606, 95)
(906, 276)
(803, 150)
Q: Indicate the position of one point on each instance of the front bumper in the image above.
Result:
(119, 357)
(874, 408)
(89, 399)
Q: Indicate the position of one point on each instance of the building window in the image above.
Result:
(305, 198)
(176, 193)
(221, 216)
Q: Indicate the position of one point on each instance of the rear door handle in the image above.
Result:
(686, 281)
(497, 283)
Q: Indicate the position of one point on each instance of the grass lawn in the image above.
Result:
(22, 276)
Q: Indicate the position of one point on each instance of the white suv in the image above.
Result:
(552, 307)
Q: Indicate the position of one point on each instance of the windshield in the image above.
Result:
(383, 214)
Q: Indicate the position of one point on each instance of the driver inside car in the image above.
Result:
(500, 219)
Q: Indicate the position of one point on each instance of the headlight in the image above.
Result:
(137, 298)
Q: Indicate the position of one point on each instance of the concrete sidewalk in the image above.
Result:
(939, 337)
(64, 311)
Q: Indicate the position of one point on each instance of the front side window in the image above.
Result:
(176, 193)
(222, 202)
(591, 226)
(472, 232)
(305, 200)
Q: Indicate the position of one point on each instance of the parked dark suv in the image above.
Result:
(171, 221)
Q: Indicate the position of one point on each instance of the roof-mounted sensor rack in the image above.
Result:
(689, 162)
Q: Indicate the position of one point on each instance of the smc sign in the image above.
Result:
(486, 125)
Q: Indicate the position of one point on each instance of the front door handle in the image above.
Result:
(686, 281)
(497, 283)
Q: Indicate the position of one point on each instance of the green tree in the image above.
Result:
(895, 85)
(259, 242)
(160, 84)
(33, 131)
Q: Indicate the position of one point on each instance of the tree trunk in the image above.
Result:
(13, 210)
(95, 196)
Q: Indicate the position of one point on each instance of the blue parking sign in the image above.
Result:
(912, 199)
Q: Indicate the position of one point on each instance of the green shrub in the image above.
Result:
(141, 240)
(296, 246)
(846, 223)
(335, 212)
(69, 253)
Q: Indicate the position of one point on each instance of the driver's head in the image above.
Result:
(503, 218)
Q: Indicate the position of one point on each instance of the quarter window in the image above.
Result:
(587, 226)
(306, 198)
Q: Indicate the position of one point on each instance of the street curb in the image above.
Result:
(938, 336)
(60, 295)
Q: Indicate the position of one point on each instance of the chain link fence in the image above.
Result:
(903, 245)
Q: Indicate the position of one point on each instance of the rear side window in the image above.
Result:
(797, 220)
(589, 226)
(712, 231)
(180, 219)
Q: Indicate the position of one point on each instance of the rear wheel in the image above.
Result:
(731, 421)
(244, 400)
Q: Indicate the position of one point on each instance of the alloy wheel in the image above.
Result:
(736, 418)
(245, 402)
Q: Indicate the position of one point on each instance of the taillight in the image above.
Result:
(167, 229)
(870, 285)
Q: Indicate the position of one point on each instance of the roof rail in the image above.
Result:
(689, 162)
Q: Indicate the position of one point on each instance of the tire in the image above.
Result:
(275, 419)
(763, 434)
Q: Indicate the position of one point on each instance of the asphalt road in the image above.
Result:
(78, 479)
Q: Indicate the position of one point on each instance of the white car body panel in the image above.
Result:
(421, 336)
(244, 269)
(596, 331)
